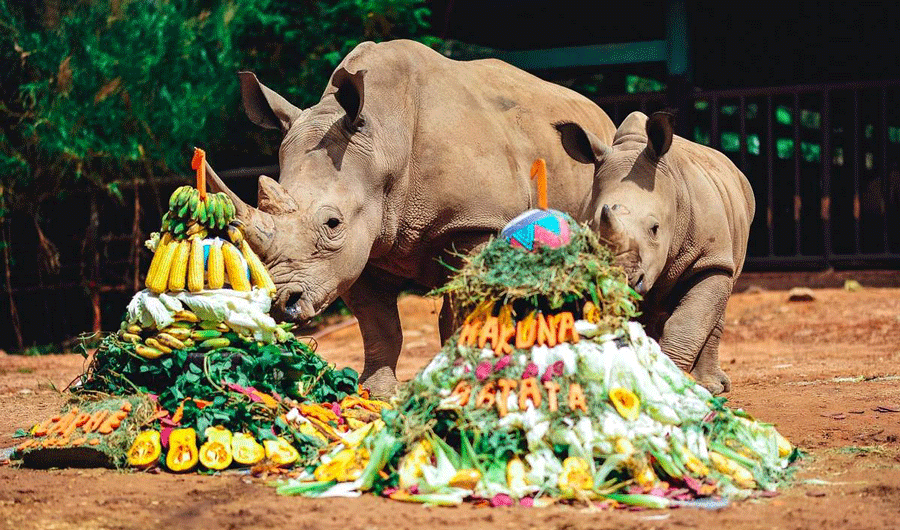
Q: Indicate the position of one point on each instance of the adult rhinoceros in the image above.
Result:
(407, 156)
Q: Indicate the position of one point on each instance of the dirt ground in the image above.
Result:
(826, 371)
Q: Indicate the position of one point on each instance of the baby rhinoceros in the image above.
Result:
(677, 216)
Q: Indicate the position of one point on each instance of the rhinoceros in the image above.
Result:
(677, 216)
(408, 159)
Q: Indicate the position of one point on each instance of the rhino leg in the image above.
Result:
(446, 320)
(706, 370)
(690, 336)
(373, 300)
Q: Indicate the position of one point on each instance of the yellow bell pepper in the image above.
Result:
(626, 402)
(575, 476)
(346, 466)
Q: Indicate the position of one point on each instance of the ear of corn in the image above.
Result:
(196, 266)
(215, 273)
(234, 266)
(258, 272)
(158, 279)
(178, 270)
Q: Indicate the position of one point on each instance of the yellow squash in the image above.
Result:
(245, 449)
(216, 452)
(280, 452)
(145, 450)
(182, 455)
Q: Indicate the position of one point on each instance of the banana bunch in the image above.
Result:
(188, 332)
(186, 209)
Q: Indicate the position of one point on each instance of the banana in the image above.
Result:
(153, 343)
(201, 211)
(147, 352)
(205, 334)
(186, 316)
(235, 234)
(182, 324)
(131, 337)
(185, 208)
(175, 199)
(134, 328)
(169, 341)
(221, 326)
(229, 207)
(193, 228)
(178, 333)
(220, 211)
(166, 221)
(211, 344)
(178, 229)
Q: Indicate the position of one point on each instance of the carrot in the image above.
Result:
(24, 445)
(95, 420)
(126, 406)
(64, 422)
(79, 441)
(112, 422)
(46, 442)
(179, 413)
(41, 428)
(94, 441)
(81, 419)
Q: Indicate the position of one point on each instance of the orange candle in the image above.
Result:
(198, 163)
(539, 170)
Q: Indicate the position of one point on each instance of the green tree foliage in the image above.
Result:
(94, 92)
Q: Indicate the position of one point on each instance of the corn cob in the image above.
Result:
(159, 277)
(179, 266)
(258, 271)
(153, 343)
(169, 341)
(195, 267)
(234, 266)
(157, 257)
(215, 268)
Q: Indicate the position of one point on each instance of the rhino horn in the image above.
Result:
(259, 226)
(273, 198)
(610, 224)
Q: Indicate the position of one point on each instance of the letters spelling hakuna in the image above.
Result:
(534, 329)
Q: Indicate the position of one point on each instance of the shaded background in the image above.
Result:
(101, 102)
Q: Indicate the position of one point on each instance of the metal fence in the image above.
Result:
(823, 161)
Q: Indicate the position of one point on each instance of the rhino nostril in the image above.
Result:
(292, 303)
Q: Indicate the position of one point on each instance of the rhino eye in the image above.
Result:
(654, 229)
(333, 222)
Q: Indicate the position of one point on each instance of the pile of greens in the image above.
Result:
(222, 387)
(546, 278)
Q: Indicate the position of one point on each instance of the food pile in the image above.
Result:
(548, 392)
(200, 376)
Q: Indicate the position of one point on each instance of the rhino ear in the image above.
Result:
(273, 198)
(660, 129)
(582, 145)
(264, 106)
(351, 94)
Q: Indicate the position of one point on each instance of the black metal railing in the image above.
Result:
(823, 160)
